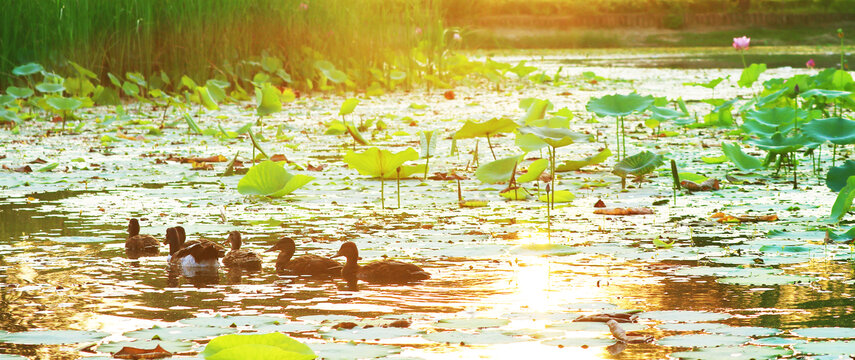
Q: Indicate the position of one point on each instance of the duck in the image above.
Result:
(201, 253)
(383, 271)
(140, 245)
(308, 264)
(240, 258)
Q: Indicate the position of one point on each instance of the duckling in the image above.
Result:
(383, 271)
(309, 264)
(139, 245)
(241, 258)
(193, 253)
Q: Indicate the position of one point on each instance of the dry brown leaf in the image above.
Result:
(202, 166)
(708, 185)
(448, 95)
(725, 218)
(278, 158)
(600, 204)
(320, 167)
(128, 352)
(624, 211)
(38, 161)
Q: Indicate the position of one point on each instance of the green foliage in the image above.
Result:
(348, 106)
(573, 165)
(836, 130)
(267, 98)
(836, 177)
(472, 129)
(619, 105)
(555, 137)
(843, 202)
(272, 346)
(638, 165)
(742, 160)
(383, 163)
(751, 74)
(498, 171)
(270, 178)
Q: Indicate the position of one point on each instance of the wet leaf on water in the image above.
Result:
(734, 353)
(826, 348)
(573, 165)
(766, 280)
(136, 353)
(488, 337)
(171, 346)
(348, 351)
(473, 323)
(52, 337)
(682, 316)
(558, 196)
(752, 331)
(171, 333)
(701, 340)
(232, 320)
(624, 211)
(371, 333)
(825, 333)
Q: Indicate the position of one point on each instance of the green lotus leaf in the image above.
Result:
(573, 165)
(779, 144)
(837, 130)
(19, 93)
(84, 72)
(555, 137)
(733, 353)
(560, 196)
(828, 94)
(841, 80)
(270, 178)
(51, 337)
(638, 165)
(661, 113)
(750, 74)
(742, 160)
(843, 202)
(529, 142)
(205, 98)
(522, 70)
(498, 171)
(27, 69)
(472, 129)
(533, 171)
(273, 345)
(267, 97)
(535, 109)
(9, 115)
(619, 105)
(709, 84)
(836, 177)
(381, 163)
(348, 106)
(64, 104)
(50, 87)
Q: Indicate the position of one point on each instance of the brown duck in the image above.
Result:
(241, 258)
(194, 253)
(383, 271)
(140, 245)
(308, 264)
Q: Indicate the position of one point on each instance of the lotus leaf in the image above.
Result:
(498, 171)
(27, 69)
(843, 202)
(383, 163)
(270, 179)
(257, 346)
(742, 160)
(50, 87)
(18, 92)
(472, 129)
(573, 165)
(779, 144)
(750, 74)
(64, 104)
(555, 137)
(638, 165)
(837, 130)
(348, 106)
(619, 105)
(836, 177)
(268, 101)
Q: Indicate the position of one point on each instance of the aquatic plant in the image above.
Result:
(619, 106)
(383, 164)
(270, 178)
(741, 44)
(274, 345)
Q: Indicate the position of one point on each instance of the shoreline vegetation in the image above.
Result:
(310, 45)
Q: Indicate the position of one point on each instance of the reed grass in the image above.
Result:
(201, 38)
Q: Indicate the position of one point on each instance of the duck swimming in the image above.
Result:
(308, 264)
(241, 258)
(383, 271)
(140, 245)
(194, 253)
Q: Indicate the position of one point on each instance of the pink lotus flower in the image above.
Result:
(741, 43)
(304, 6)
(810, 64)
(418, 31)
(457, 37)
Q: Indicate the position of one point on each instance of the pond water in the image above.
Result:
(502, 286)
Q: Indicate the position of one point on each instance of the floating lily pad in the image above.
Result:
(327, 318)
(825, 333)
(776, 341)
(473, 323)
(826, 348)
(292, 327)
(370, 333)
(231, 321)
(179, 332)
(171, 346)
(702, 340)
(480, 338)
(725, 271)
(682, 316)
(700, 326)
(580, 342)
(594, 326)
(52, 337)
(11, 357)
(734, 352)
(753, 331)
(766, 280)
(544, 249)
(347, 351)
